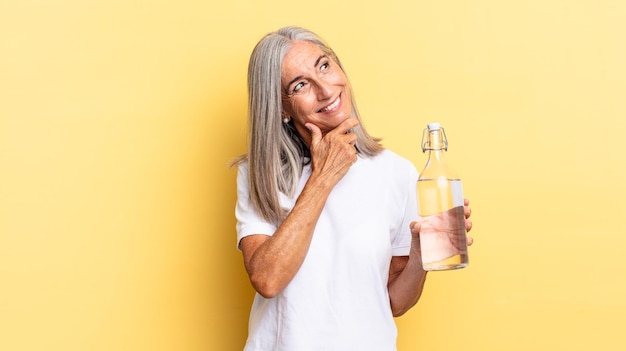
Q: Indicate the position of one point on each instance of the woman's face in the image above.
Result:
(315, 89)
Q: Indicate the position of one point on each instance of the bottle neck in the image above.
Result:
(436, 144)
(437, 153)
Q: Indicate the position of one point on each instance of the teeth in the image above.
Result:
(331, 106)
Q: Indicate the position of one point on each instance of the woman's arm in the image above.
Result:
(406, 275)
(272, 261)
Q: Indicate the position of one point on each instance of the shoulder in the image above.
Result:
(241, 165)
(242, 173)
(392, 160)
(389, 165)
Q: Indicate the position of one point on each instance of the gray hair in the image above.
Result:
(276, 152)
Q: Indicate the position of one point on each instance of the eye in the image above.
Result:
(324, 66)
(298, 86)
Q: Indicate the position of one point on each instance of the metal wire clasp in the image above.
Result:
(438, 143)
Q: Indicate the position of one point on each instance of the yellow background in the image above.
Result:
(118, 119)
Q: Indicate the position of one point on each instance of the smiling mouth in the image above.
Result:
(332, 106)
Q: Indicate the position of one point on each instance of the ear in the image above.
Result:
(287, 109)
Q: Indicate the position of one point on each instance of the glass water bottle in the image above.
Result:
(440, 197)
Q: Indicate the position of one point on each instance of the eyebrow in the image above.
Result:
(300, 77)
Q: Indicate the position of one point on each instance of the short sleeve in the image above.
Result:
(401, 241)
(248, 220)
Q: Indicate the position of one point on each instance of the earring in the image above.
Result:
(285, 120)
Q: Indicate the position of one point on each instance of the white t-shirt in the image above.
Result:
(339, 300)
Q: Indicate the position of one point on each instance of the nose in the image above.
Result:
(324, 89)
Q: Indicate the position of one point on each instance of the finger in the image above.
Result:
(415, 226)
(351, 138)
(468, 211)
(316, 133)
(345, 126)
(468, 225)
(466, 202)
(470, 241)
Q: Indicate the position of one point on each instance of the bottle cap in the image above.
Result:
(434, 126)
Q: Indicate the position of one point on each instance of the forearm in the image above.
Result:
(406, 287)
(272, 262)
(276, 261)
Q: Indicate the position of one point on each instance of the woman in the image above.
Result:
(326, 217)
